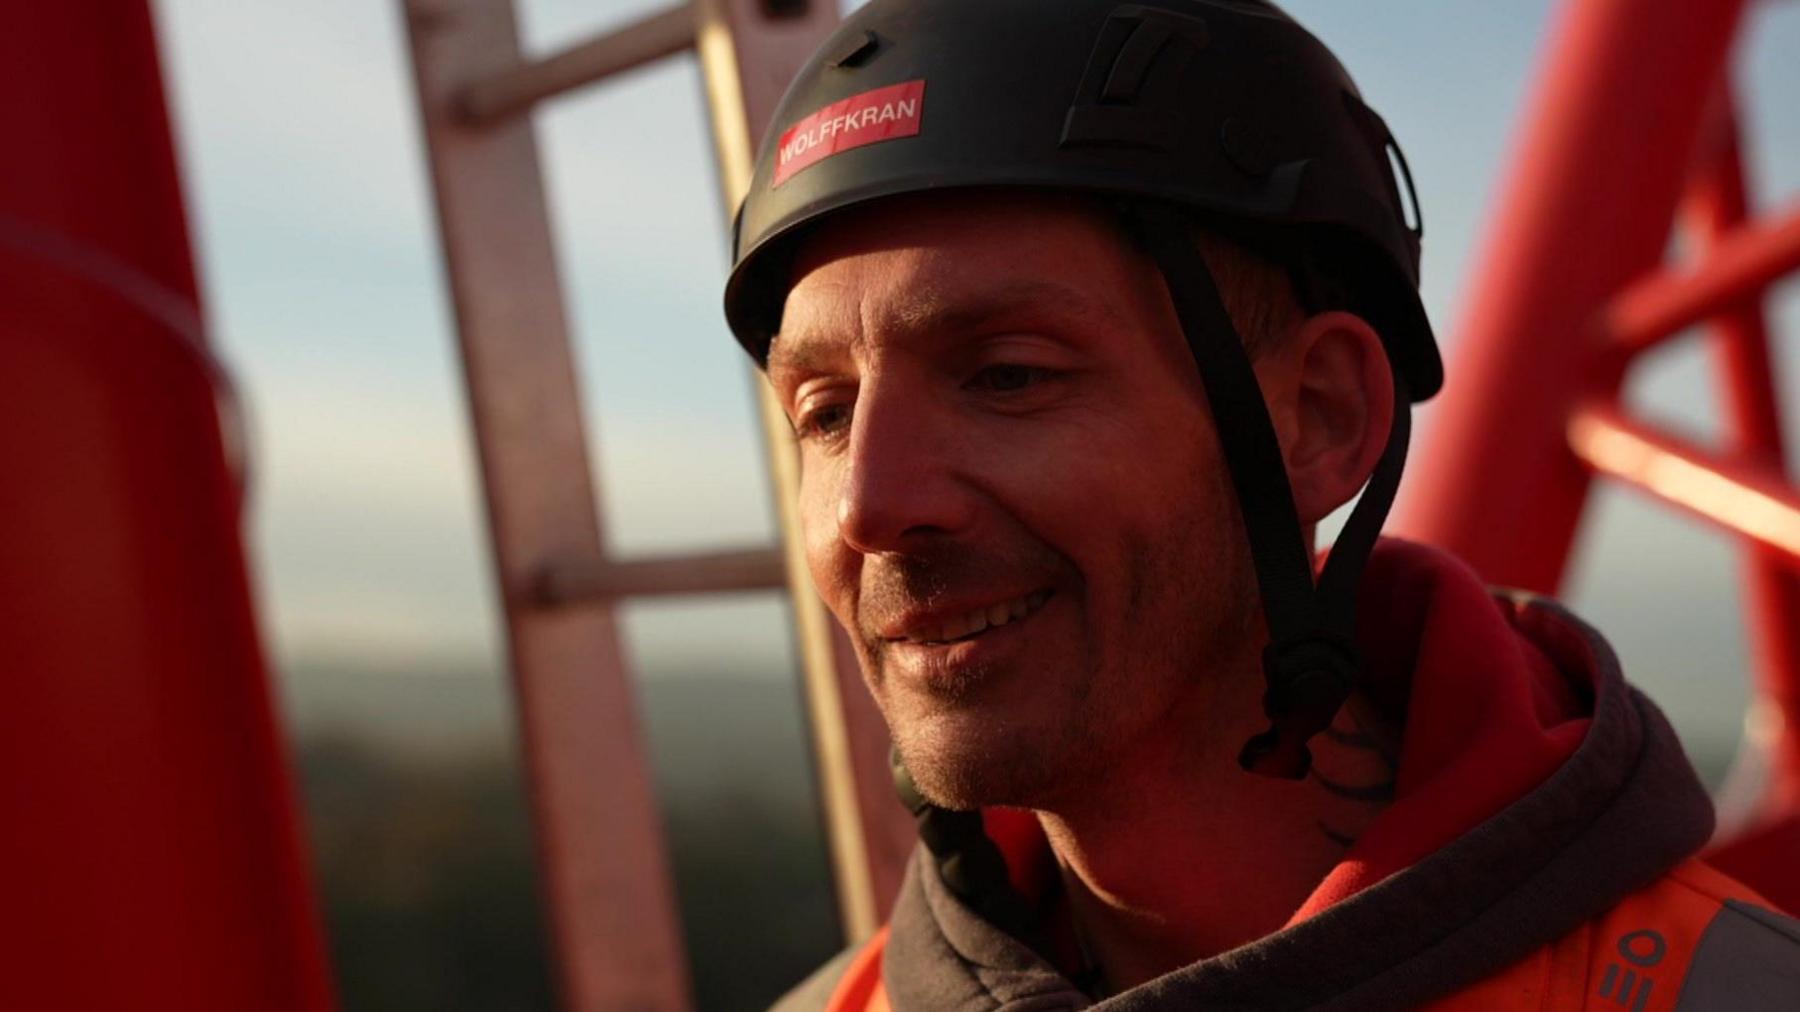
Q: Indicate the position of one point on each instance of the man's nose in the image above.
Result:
(902, 486)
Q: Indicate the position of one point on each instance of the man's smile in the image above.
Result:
(940, 626)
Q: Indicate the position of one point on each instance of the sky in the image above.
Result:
(306, 182)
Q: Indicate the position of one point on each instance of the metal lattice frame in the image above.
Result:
(1632, 125)
(604, 862)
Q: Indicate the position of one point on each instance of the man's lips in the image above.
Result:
(960, 622)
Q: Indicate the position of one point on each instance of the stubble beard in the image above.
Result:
(1005, 763)
(1186, 618)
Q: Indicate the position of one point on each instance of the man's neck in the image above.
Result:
(1183, 855)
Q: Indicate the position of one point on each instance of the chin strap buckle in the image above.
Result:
(1309, 677)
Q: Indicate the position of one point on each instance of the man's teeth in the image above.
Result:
(983, 619)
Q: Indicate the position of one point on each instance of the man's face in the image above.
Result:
(1011, 491)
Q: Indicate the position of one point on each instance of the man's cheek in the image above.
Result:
(833, 564)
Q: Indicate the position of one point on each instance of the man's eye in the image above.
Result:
(1007, 378)
(823, 422)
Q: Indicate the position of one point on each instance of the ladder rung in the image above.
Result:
(518, 89)
(707, 573)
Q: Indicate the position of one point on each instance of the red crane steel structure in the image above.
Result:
(1632, 130)
(150, 855)
(153, 855)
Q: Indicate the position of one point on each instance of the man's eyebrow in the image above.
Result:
(801, 350)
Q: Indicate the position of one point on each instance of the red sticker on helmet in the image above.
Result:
(879, 115)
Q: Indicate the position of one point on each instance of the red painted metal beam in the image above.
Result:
(150, 856)
(1717, 209)
(1603, 158)
(1740, 261)
(1745, 498)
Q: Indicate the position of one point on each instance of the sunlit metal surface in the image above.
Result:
(1743, 499)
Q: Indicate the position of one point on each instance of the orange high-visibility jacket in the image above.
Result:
(1693, 940)
(1536, 853)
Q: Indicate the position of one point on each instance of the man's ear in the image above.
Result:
(1331, 397)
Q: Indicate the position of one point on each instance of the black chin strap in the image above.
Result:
(1310, 663)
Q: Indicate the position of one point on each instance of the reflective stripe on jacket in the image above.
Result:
(1694, 940)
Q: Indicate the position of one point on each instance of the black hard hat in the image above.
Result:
(1224, 107)
(1219, 113)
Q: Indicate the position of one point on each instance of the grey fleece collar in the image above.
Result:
(1624, 808)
